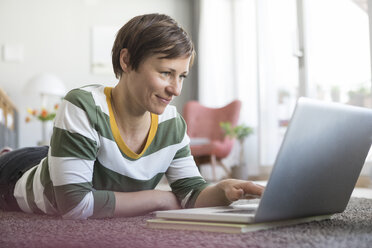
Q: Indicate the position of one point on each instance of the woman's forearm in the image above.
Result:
(143, 202)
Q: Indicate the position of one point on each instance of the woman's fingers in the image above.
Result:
(239, 189)
(251, 189)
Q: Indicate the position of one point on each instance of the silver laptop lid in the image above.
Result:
(319, 162)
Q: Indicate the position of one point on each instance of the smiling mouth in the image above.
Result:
(165, 100)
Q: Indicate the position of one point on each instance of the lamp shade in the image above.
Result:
(45, 84)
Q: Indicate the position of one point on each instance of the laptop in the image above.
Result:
(315, 172)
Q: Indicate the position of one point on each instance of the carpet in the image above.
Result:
(352, 228)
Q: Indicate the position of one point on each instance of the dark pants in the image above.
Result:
(12, 166)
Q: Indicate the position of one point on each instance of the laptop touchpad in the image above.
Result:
(238, 211)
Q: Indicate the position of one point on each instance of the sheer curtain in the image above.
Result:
(227, 59)
(215, 54)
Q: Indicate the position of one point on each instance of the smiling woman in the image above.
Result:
(111, 146)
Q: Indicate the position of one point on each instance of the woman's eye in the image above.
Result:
(165, 73)
(183, 76)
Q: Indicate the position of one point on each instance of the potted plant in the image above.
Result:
(239, 132)
(46, 117)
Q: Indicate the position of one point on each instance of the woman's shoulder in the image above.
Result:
(172, 122)
(84, 96)
(170, 113)
(85, 90)
(171, 125)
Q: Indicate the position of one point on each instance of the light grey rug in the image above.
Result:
(353, 228)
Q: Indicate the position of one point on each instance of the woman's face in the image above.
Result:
(156, 82)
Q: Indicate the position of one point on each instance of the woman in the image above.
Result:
(111, 146)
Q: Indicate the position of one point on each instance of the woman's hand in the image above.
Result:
(227, 191)
(239, 189)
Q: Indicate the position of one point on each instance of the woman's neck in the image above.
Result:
(126, 114)
(133, 126)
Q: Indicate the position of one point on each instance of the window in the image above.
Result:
(276, 51)
(278, 72)
(337, 54)
(338, 51)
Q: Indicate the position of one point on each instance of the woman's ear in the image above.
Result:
(124, 59)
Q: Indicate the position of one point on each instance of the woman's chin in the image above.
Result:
(158, 110)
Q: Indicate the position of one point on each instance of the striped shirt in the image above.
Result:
(88, 160)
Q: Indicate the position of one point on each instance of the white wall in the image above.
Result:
(55, 35)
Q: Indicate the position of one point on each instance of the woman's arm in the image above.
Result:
(227, 191)
(143, 202)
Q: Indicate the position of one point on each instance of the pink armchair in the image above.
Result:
(203, 123)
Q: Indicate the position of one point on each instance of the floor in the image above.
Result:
(362, 193)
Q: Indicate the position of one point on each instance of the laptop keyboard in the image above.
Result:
(246, 205)
(238, 211)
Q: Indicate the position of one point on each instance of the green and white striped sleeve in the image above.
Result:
(183, 174)
(74, 147)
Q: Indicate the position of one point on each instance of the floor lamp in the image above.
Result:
(45, 86)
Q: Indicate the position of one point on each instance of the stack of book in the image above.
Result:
(225, 227)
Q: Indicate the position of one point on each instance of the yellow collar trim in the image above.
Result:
(115, 130)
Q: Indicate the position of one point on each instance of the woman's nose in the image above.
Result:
(175, 87)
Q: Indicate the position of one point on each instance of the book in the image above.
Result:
(225, 227)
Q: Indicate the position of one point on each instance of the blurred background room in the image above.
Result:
(264, 53)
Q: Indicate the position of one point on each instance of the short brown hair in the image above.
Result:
(151, 34)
